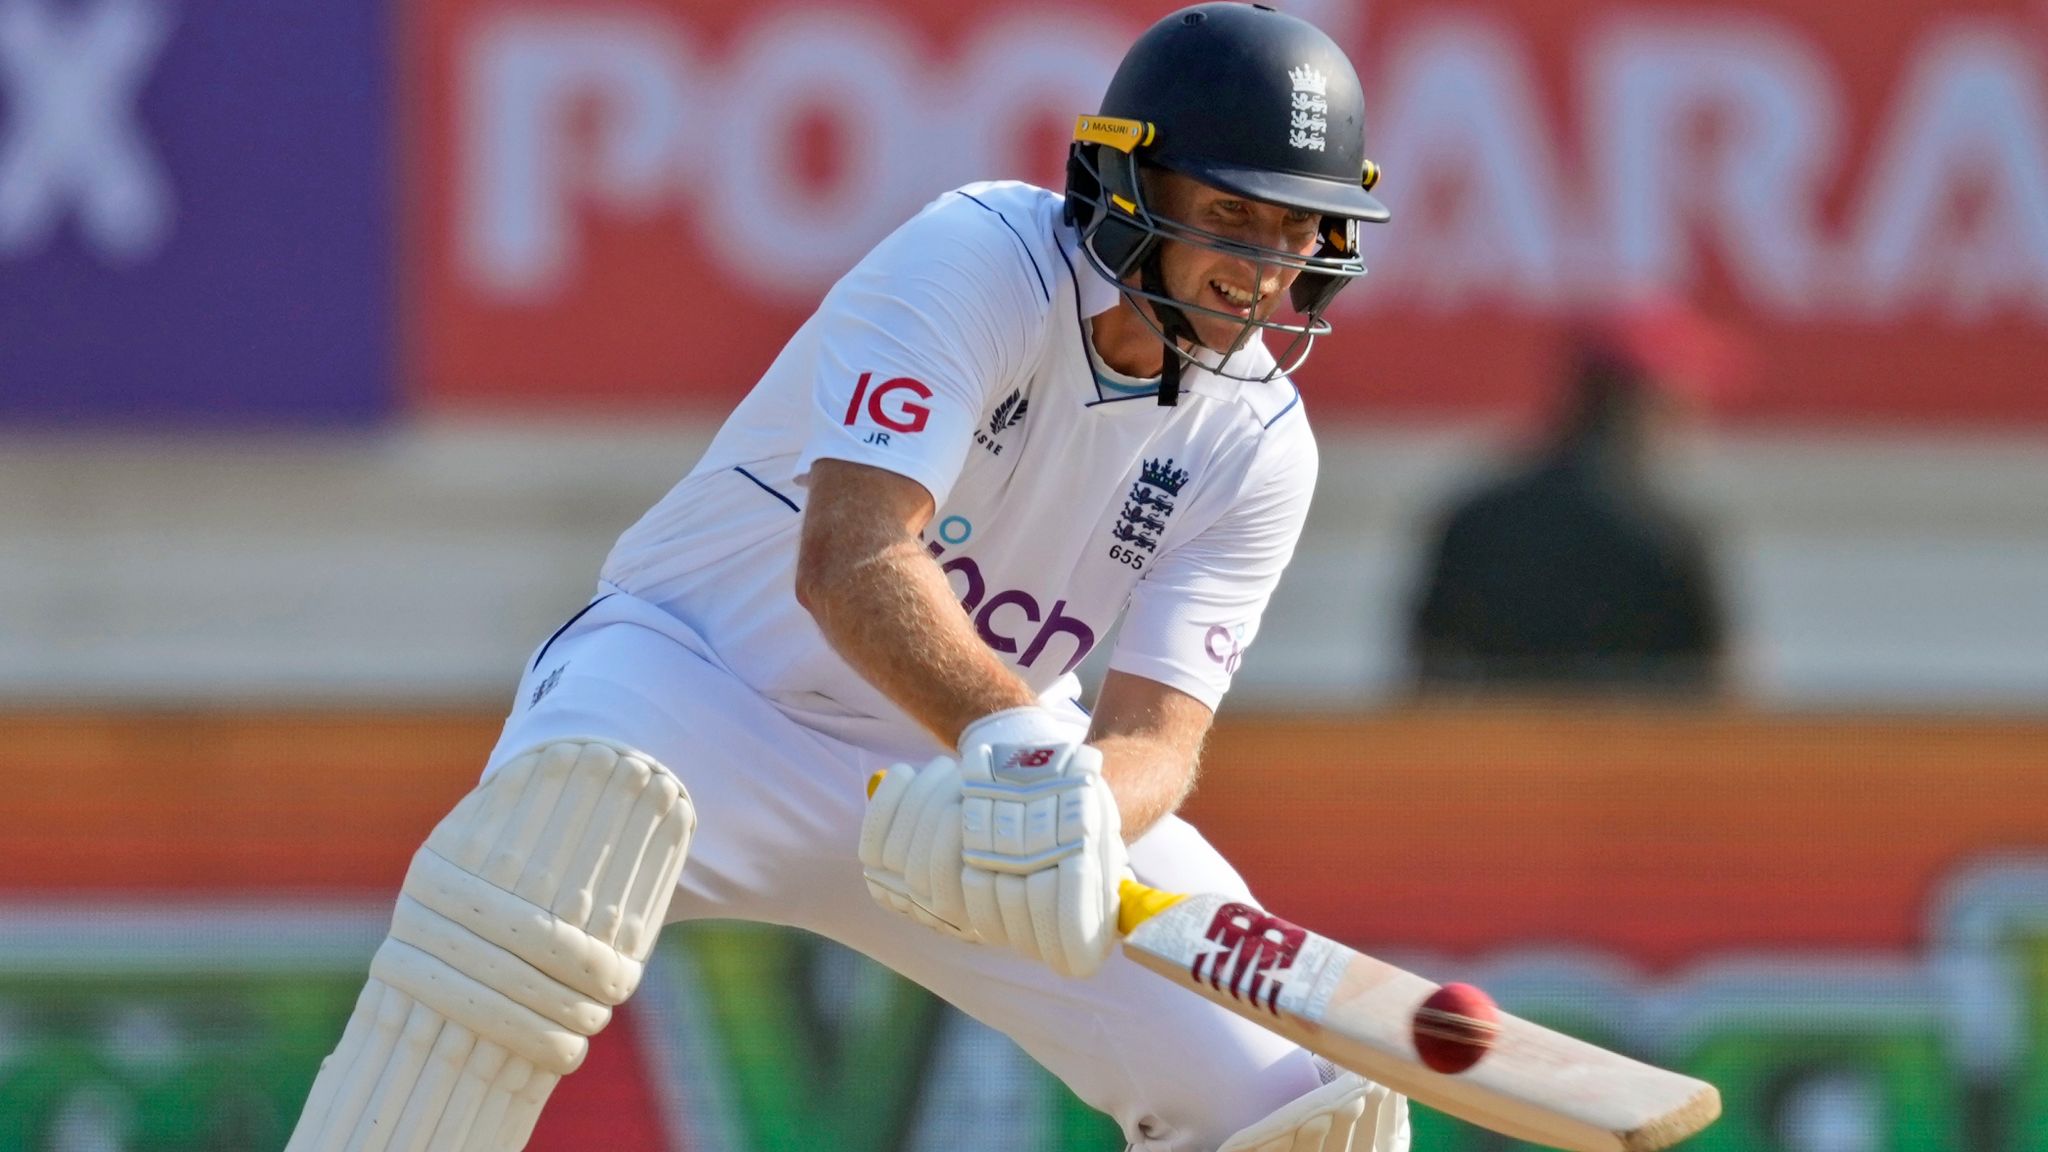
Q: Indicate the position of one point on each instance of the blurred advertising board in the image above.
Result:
(182, 939)
(128, 1026)
(629, 207)
(1841, 922)
(195, 206)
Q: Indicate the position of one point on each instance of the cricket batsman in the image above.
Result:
(1022, 418)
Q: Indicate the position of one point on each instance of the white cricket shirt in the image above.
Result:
(956, 354)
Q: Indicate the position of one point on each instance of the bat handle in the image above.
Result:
(1138, 903)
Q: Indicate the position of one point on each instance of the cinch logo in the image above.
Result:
(1254, 951)
(907, 416)
(1225, 645)
(997, 615)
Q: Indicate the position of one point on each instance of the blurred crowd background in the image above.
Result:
(1667, 650)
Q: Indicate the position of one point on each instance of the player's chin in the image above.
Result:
(1220, 332)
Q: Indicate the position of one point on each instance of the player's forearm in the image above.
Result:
(889, 613)
(1148, 777)
(1151, 737)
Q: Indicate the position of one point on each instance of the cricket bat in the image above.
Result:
(1535, 1084)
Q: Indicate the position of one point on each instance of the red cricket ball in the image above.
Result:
(1455, 1027)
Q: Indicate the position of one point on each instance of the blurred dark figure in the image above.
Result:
(1575, 572)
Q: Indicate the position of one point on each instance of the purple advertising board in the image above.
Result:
(195, 213)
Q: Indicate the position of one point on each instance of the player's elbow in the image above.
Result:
(857, 515)
(816, 572)
(810, 583)
(810, 593)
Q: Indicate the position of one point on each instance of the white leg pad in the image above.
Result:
(527, 915)
(1347, 1114)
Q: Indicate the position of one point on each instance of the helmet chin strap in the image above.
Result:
(1173, 323)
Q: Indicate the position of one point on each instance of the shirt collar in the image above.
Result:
(1094, 295)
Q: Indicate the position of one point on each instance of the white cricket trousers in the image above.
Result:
(778, 825)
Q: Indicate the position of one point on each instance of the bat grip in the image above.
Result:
(1138, 903)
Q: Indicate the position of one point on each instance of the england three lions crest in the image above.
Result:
(1308, 117)
(1146, 508)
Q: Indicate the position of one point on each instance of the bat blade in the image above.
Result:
(1536, 1084)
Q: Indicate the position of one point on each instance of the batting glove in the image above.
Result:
(910, 845)
(1041, 841)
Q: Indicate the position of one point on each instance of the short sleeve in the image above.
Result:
(1197, 610)
(914, 339)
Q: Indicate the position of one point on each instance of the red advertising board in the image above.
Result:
(628, 207)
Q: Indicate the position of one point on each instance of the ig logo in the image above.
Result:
(900, 416)
(1225, 645)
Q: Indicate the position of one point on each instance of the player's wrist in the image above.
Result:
(1025, 724)
(960, 846)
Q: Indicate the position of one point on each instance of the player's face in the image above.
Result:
(1233, 285)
